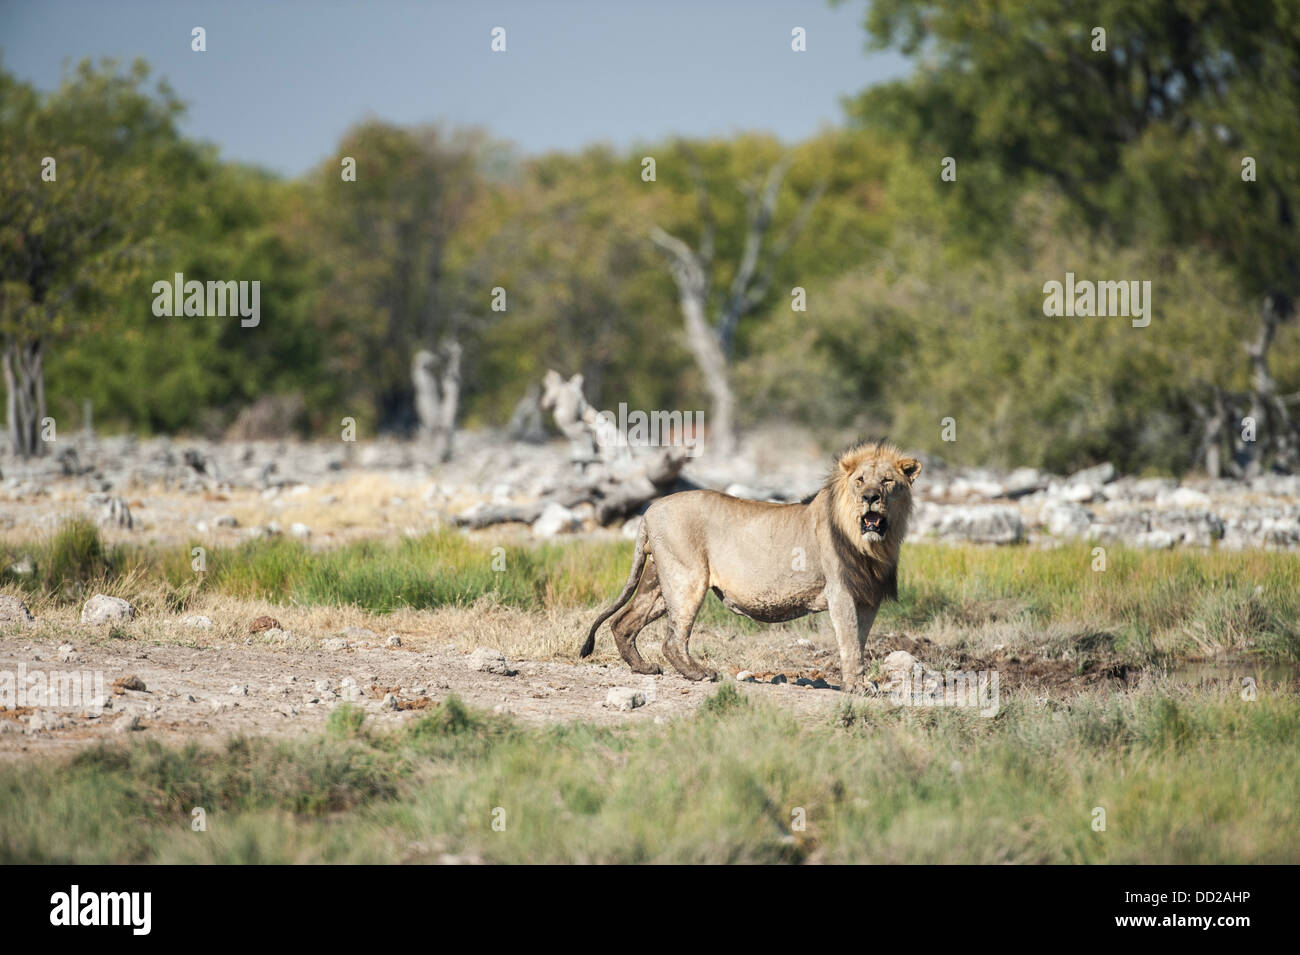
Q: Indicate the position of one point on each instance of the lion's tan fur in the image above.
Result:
(771, 562)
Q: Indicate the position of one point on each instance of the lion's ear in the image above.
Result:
(910, 468)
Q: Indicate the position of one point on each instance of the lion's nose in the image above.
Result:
(873, 497)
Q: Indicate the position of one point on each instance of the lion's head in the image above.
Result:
(871, 497)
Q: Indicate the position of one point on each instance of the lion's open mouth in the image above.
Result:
(873, 523)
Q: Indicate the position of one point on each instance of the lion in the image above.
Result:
(835, 551)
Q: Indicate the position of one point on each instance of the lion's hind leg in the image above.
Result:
(647, 607)
(682, 609)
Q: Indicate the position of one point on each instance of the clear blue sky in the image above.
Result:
(282, 79)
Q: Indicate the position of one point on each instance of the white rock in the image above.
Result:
(1155, 540)
(393, 640)
(1184, 497)
(1078, 492)
(389, 703)
(745, 676)
(14, 611)
(487, 660)
(988, 524)
(300, 530)
(1095, 476)
(68, 654)
(1066, 520)
(238, 690)
(896, 666)
(624, 698)
(555, 519)
(198, 621)
(126, 723)
(104, 609)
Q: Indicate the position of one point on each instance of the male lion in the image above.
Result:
(836, 551)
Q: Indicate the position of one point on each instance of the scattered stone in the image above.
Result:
(1155, 540)
(1067, 520)
(1023, 481)
(301, 531)
(126, 723)
(198, 621)
(393, 640)
(1183, 497)
(389, 703)
(358, 633)
(896, 666)
(238, 689)
(131, 682)
(14, 611)
(624, 698)
(334, 643)
(113, 511)
(1095, 476)
(68, 654)
(1079, 493)
(983, 524)
(487, 660)
(104, 609)
(275, 633)
(44, 721)
(555, 519)
(745, 676)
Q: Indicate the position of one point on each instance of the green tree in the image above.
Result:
(73, 224)
(1145, 128)
(385, 239)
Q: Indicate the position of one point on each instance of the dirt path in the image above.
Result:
(215, 692)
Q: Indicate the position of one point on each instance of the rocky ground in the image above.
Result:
(330, 491)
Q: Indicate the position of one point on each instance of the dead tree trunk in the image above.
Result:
(437, 396)
(1275, 437)
(24, 371)
(573, 416)
(614, 496)
(710, 337)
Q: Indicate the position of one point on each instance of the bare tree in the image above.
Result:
(1276, 436)
(437, 395)
(711, 315)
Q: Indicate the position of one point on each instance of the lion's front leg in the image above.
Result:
(866, 616)
(845, 618)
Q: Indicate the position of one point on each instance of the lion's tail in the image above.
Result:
(633, 578)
